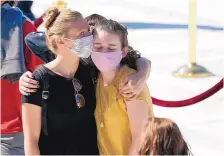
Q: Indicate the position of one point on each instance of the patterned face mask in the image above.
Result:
(82, 47)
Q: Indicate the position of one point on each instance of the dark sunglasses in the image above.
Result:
(80, 100)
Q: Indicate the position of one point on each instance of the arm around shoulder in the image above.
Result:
(36, 42)
(143, 67)
(35, 97)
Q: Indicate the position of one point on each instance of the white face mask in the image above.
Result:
(82, 47)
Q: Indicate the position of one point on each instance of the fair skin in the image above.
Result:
(65, 65)
(129, 87)
(137, 110)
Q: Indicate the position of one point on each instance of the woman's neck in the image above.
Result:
(109, 76)
(65, 65)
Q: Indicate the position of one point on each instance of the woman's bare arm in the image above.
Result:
(137, 112)
(31, 116)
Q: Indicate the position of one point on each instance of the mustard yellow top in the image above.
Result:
(114, 135)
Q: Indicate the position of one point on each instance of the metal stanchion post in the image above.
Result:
(192, 27)
(192, 69)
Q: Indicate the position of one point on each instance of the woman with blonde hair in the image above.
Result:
(58, 119)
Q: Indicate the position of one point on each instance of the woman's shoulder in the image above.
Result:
(40, 73)
(125, 70)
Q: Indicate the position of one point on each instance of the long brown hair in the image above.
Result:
(162, 136)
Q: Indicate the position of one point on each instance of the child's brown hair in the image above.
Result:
(93, 19)
(162, 136)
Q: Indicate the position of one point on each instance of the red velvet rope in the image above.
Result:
(190, 101)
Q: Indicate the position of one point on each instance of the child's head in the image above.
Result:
(162, 137)
(93, 19)
(111, 40)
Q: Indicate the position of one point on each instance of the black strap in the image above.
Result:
(94, 72)
(45, 95)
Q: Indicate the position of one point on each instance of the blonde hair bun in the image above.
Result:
(50, 16)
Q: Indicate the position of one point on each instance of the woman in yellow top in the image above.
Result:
(118, 121)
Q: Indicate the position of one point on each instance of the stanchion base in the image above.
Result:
(191, 71)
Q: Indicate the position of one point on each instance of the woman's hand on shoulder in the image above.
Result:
(27, 84)
(131, 85)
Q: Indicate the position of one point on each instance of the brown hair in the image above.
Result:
(57, 24)
(115, 27)
(93, 19)
(162, 136)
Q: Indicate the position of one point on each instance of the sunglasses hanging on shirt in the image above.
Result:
(79, 98)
